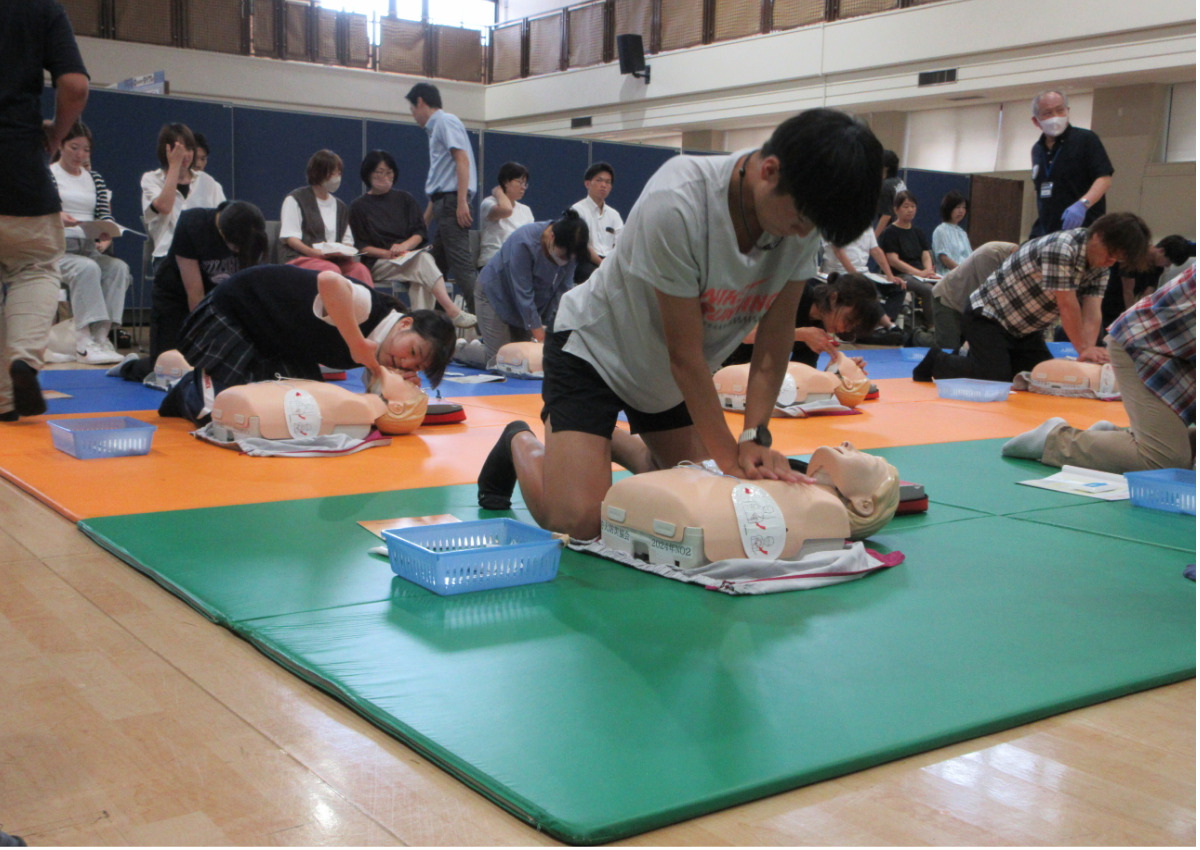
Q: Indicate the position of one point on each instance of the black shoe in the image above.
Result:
(923, 372)
(498, 476)
(27, 392)
(887, 336)
(9, 416)
(7, 840)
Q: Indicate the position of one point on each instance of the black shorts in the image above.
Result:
(576, 398)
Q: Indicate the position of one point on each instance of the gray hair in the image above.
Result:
(1034, 106)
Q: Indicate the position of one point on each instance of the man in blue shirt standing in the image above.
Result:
(450, 184)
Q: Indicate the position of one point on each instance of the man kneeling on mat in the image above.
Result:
(287, 321)
(714, 246)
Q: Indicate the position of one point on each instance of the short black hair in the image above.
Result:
(891, 162)
(511, 171)
(571, 232)
(950, 203)
(1126, 234)
(901, 197)
(436, 329)
(854, 291)
(371, 162)
(427, 92)
(596, 168)
(242, 224)
(831, 164)
(202, 142)
(1178, 249)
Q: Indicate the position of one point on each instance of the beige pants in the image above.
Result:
(419, 271)
(30, 248)
(1156, 438)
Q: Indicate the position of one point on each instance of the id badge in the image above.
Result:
(1045, 189)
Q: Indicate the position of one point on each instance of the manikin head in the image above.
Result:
(869, 486)
(406, 404)
(854, 384)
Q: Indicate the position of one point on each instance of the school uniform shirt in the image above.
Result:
(603, 225)
(381, 221)
(857, 252)
(908, 243)
(196, 238)
(1063, 174)
(680, 242)
(492, 234)
(203, 192)
(521, 283)
(1159, 332)
(35, 35)
(1020, 294)
(951, 240)
(84, 196)
(446, 133)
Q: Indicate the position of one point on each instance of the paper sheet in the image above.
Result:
(96, 229)
(378, 526)
(1084, 482)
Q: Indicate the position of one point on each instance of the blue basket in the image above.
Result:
(1172, 490)
(970, 389)
(105, 436)
(459, 557)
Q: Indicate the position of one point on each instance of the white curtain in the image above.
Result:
(1181, 126)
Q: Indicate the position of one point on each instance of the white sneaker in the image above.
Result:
(95, 355)
(58, 357)
(464, 320)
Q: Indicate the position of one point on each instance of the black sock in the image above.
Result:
(923, 371)
(498, 476)
(27, 392)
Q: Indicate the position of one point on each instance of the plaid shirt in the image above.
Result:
(1159, 332)
(1020, 294)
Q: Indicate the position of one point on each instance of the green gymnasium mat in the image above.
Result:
(610, 701)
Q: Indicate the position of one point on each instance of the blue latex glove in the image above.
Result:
(1073, 215)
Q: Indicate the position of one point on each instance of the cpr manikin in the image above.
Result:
(689, 516)
(523, 359)
(842, 383)
(1066, 377)
(168, 368)
(294, 409)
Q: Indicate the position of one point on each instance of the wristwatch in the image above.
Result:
(759, 435)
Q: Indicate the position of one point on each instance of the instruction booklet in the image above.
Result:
(1084, 482)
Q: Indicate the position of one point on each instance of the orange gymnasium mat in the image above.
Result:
(182, 472)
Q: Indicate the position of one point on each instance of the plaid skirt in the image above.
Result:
(218, 345)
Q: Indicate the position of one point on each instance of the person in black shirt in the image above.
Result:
(910, 254)
(388, 228)
(1071, 169)
(289, 321)
(35, 36)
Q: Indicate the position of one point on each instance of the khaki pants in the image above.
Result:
(30, 248)
(419, 271)
(1156, 438)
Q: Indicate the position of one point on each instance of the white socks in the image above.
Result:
(1031, 444)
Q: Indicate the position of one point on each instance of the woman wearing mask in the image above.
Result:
(312, 215)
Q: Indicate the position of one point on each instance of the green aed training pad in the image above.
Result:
(610, 701)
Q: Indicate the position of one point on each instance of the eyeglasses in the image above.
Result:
(383, 172)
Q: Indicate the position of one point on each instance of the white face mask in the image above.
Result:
(332, 184)
(1054, 127)
(558, 260)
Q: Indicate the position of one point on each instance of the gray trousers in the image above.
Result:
(495, 332)
(455, 244)
(1156, 438)
(97, 283)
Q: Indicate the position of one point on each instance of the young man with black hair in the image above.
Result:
(714, 246)
(1057, 277)
(604, 222)
(450, 184)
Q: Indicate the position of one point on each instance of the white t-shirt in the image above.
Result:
(679, 241)
(603, 227)
(857, 252)
(290, 218)
(78, 196)
(205, 193)
(493, 233)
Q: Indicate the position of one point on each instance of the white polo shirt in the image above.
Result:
(603, 225)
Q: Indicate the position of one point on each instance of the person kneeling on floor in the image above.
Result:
(270, 321)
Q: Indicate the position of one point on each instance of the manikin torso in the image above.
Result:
(520, 358)
(1069, 373)
(842, 379)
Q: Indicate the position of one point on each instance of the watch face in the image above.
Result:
(763, 437)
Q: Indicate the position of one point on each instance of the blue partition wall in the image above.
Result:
(930, 187)
(634, 165)
(555, 166)
(271, 150)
